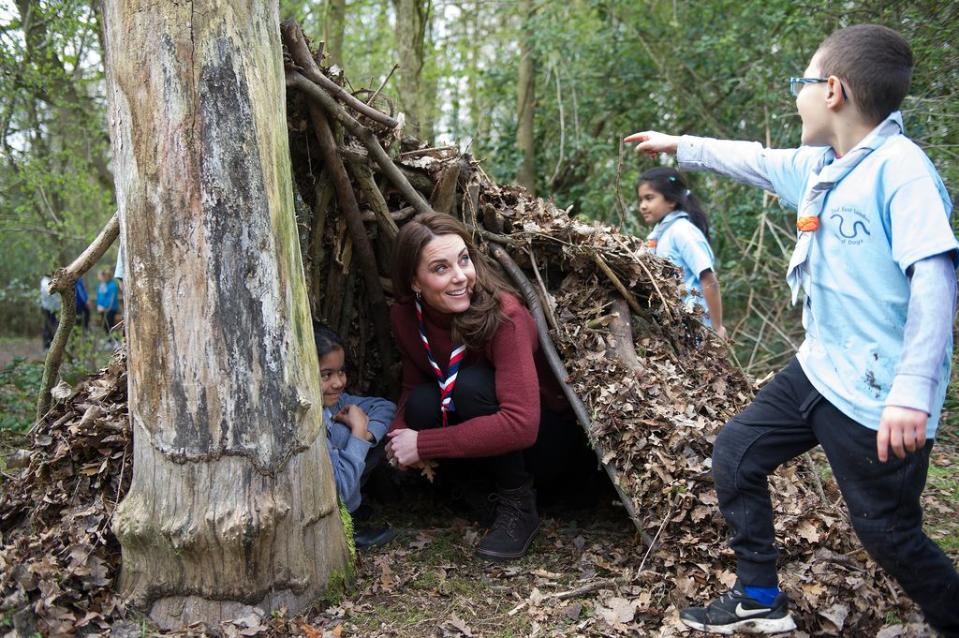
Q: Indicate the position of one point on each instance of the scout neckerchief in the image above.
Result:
(449, 382)
(652, 240)
(827, 176)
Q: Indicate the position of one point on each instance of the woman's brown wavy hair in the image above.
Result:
(476, 326)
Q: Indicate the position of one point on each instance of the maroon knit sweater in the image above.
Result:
(522, 377)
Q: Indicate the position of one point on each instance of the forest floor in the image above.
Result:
(27, 348)
(583, 575)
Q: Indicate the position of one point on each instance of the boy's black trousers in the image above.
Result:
(789, 417)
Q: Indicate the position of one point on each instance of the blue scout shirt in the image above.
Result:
(889, 212)
(108, 296)
(348, 453)
(682, 243)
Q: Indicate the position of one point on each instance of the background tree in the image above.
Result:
(412, 25)
(56, 189)
(334, 28)
(526, 101)
(232, 504)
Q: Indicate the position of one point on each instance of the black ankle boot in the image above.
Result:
(515, 525)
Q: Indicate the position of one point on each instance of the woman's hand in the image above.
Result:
(653, 143)
(402, 447)
(356, 419)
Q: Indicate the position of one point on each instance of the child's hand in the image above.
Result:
(356, 419)
(653, 143)
(902, 428)
(402, 447)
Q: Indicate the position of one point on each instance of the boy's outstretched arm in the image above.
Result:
(932, 294)
(781, 171)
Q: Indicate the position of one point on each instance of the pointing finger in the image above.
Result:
(642, 136)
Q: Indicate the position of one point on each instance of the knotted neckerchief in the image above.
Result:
(652, 240)
(827, 176)
(446, 383)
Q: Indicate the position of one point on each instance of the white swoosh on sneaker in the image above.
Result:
(742, 612)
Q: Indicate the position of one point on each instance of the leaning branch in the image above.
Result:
(63, 282)
(556, 365)
(361, 241)
(296, 43)
(298, 81)
(68, 276)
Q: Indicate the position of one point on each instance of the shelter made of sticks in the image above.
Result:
(650, 385)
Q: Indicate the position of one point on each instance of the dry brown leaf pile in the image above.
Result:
(58, 556)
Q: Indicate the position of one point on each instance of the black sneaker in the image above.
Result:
(734, 612)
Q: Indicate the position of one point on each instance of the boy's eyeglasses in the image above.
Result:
(796, 85)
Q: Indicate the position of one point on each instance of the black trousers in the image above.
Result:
(789, 417)
(50, 323)
(559, 441)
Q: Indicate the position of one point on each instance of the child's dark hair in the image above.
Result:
(669, 182)
(326, 339)
(874, 62)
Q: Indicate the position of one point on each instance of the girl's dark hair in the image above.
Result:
(476, 326)
(670, 184)
(326, 339)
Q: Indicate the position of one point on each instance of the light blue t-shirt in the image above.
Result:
(685, 245)
(889, 212)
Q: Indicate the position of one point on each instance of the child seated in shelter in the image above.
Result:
(875, 257)
(356, 435)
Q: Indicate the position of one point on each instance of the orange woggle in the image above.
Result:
(808, 224)
(651, 243)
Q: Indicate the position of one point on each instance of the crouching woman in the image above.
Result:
(475, 384)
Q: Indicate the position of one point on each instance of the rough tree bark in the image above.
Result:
(232, 508)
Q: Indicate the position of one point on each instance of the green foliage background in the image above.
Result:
(604, 68)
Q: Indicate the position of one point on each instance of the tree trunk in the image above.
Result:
(232, 508)
(525, 91)
(412, 18)
(335, 25)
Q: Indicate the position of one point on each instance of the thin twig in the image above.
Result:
(586, 589)
(562, 131)
(426, 151)
(548, 309)
(652, 279)
(649, 549)
(376, 93)
(627, 295)
(816, 481)
(620, 204)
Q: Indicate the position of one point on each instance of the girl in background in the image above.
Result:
(681, 235)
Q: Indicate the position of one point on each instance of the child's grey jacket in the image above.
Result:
(348, 453)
